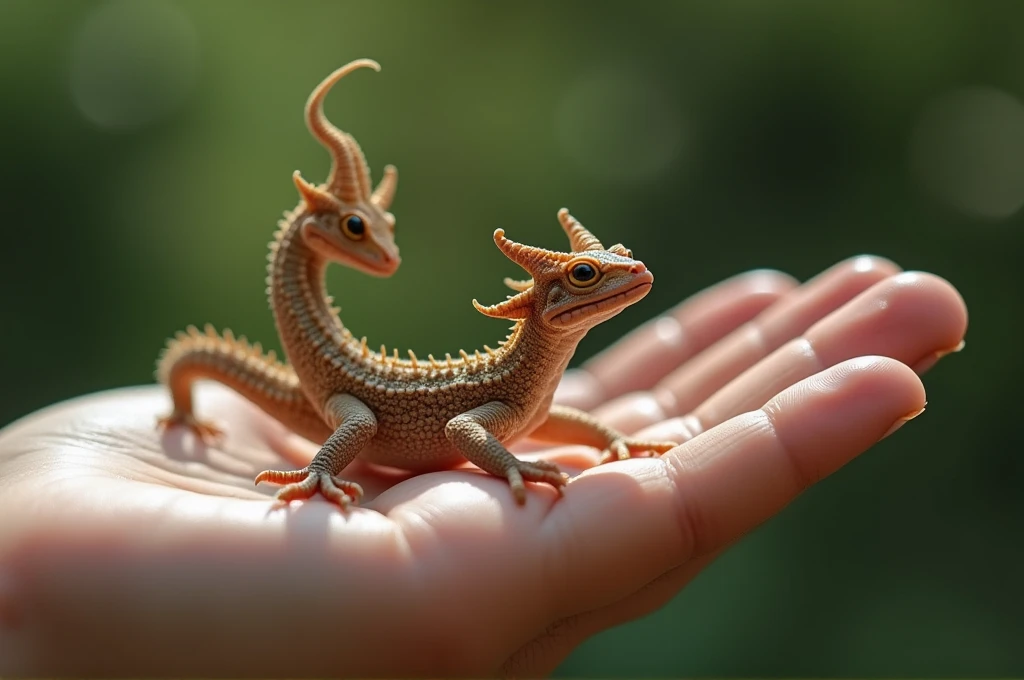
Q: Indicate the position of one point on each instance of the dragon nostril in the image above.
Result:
(638, 268)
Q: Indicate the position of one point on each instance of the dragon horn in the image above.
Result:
(580, 239)
(349, 179)
(530, 258)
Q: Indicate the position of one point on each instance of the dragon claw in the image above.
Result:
(534, 471)
(305, 483)
(207, 432)
(626, 448)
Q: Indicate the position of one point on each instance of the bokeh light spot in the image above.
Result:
(968, 151)
(133, 62)
(619, 125)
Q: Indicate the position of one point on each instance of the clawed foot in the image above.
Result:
(207, 432)
(625, 448)
(534, 471)
(305, 483)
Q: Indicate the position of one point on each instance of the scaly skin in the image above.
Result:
(406, 413)
(429, 415)
(261, 378)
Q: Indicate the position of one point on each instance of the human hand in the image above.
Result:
(126, 552)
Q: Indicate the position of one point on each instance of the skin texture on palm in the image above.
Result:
(120, 550)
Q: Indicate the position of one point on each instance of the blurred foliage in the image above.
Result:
(146, 155)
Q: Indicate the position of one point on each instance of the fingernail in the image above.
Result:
(959, 347)
(904, 420)
(929, 361)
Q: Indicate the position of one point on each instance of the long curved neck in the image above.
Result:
(310, 330)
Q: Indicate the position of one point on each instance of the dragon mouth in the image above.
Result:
(378, 268)
(613, 300)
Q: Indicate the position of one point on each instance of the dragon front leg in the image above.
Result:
(472, 433)
(356, 426)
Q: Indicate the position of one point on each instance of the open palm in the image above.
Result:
(124, 551)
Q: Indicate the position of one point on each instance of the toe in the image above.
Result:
(515, 482)
(334, 494)
(300, 491)
(621, 450)
(281, 476)
(206, 432)
(545, 465)
(549, 474)
(350, 489)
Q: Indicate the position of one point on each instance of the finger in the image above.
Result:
(682, 390)
(910, 317)
(648, 599)
(639, 359)
(622, 525)
(687, 387)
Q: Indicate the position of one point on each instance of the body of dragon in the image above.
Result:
(406, 412)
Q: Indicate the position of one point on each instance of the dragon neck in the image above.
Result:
(305, 320)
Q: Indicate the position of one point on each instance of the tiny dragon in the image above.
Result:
(409, 413)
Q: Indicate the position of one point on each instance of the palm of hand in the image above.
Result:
(128, 546)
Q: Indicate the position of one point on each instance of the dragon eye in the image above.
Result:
(354, 227)
(583, 275)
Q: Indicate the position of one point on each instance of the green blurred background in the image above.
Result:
(146, 153)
